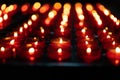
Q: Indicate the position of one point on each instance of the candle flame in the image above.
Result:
(3, 7)
(59, 51)
(57, 6)
(15, 34)
(36, 43)
(52, 14)
(62, 29)
(88, 50)
(21, 29)
(1, 19)
(89, 7)
(29, 22)
(113, 43)
(36, 6)
(25, 25)
(31, 51)
(117, 50)
(104, 31)
(61, 41)
(81, 17)
(12, 42)
(44, 8)
(34, 17)
(42, 30)
(5, 17)
(78, 8)
(86, 42)
(2, 49)
(108, 37)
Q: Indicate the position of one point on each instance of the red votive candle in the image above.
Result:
(59, 49)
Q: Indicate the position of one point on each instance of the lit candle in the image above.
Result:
(114, 55)
(59, 49)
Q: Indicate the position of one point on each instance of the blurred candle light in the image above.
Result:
(2, 49)
(59, 51)
(31, 51)
(44, 8)
(34, 17)
(57, 6)
(3, 7)
(24, 7)
(5, 17)
(88, 50)
(36, 6)
(15, 34)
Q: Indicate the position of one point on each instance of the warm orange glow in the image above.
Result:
(57, 6)
(12, 42)
(34, 17)
(5, 17)
(117, 50)
(42, 30)
(1, 19)
(65, 18)
(44, 8)
(113, 43)
(99, 22)
(83, 30)
(81, 17)
(88, 50)
(61, 41)
(21, 29)
(62, 29)
(78, 8)
(25, 25)
(15, 34)
(47, 21)
(97, 17)
(24, 7)
(108, 36)
(36, 6)
(59, 51)
(89, 7)
(106, 12)
(67, 6)
(3, 7)
(81, 23)
(52, 14)
(104, 31)
(66, 9)
(87, 38)
(111, 16)
(10, 8)
(36, 43)
(63, 23)
(86, 42)
(29, 22)
(31, 51)
(117, 22)
(2, 49)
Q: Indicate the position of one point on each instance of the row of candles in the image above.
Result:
(6, 13)
(107, 35)
(87, 46)
(60, 46)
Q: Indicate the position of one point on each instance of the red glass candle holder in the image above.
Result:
(33, 49)
(114, 55)
(59, 49)
(93, 49)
